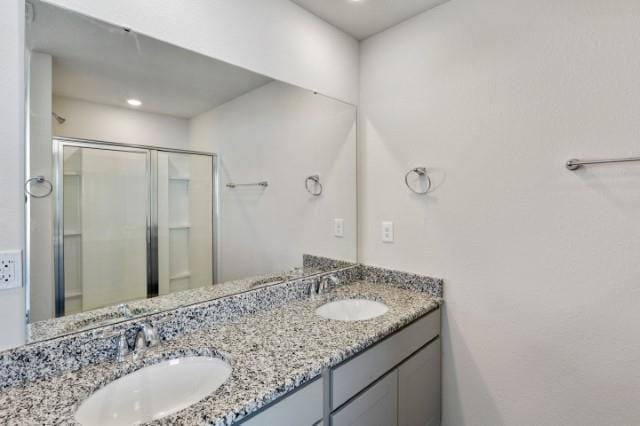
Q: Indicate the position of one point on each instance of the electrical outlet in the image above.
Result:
(387, 232)
(10, 269)
(338, 227)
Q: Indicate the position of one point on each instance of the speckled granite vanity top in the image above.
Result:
(272, 352)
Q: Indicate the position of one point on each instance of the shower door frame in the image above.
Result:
(151, 152)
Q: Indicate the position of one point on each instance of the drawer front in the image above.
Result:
(419, 388)
(351, 377)
(377, 406)
(302, 408)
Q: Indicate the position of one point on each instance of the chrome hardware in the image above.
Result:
(313, 288)
(150, 336)
(323, 285)
(328, 282)
(122, 346)
(146, 337)
(421, 172)
(575, 164)
(40, 180)
(123, 309)
(263, 184)
(315, 179)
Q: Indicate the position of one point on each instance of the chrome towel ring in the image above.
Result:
(422, 173)
(315, 179)
(38, 179)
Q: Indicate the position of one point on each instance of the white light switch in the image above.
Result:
(10, 269)
(387, 232)
(338, 227)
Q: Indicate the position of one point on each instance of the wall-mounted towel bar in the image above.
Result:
(263, 184)
(575, 164)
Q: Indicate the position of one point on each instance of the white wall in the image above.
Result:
(41, 271)
(541, 264)
(272, 37)
(88, 120)
(282, 134)
(11, 160)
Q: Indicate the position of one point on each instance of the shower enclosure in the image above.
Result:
(131, 222)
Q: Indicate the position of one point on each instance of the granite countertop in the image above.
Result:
(56, 327)
(272, 353)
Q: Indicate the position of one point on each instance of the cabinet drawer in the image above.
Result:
(302, 408)
(351, 377)
(377, 406)
(419, 388)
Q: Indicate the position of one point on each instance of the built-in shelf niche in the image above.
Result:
(72, 205)
(179, 177)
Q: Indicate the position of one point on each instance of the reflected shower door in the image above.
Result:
(106, 211)
(185, 221)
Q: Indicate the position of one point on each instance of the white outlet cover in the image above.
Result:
(10, 269)
(387, 232)
(338, 227)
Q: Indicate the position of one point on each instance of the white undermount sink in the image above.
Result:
(352, 309)
(154, 392)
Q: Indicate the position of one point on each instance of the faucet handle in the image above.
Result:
(150, 335)
(153, 337)
(328, 281)
(122, 346)
(123, 309)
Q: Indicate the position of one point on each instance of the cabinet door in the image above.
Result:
(359, 372)
(419, 388)
(302, 408)
(377, 406)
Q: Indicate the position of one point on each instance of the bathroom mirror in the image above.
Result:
(159, 177)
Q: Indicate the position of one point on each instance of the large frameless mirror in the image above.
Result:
(160, 177)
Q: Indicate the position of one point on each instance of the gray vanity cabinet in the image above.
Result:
(396, 382)
(376, 406)
(419, 388)
(302, 408)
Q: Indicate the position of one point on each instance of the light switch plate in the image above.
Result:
(387, 232)
(10, 269)
(338, 227)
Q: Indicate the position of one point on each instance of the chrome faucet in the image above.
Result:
(146, 337)
(323, 285)
(328, 282)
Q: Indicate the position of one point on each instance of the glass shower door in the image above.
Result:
(103, 255)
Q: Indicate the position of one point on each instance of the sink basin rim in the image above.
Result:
(131, 397)
(352, 309)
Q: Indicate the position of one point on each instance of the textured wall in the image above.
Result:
(541, 264)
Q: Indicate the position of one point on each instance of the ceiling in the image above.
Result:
(363, 18)
(100, 63)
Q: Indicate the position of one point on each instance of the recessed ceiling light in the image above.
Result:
(134, 102)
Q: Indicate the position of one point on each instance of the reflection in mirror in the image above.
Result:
(177, 178)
